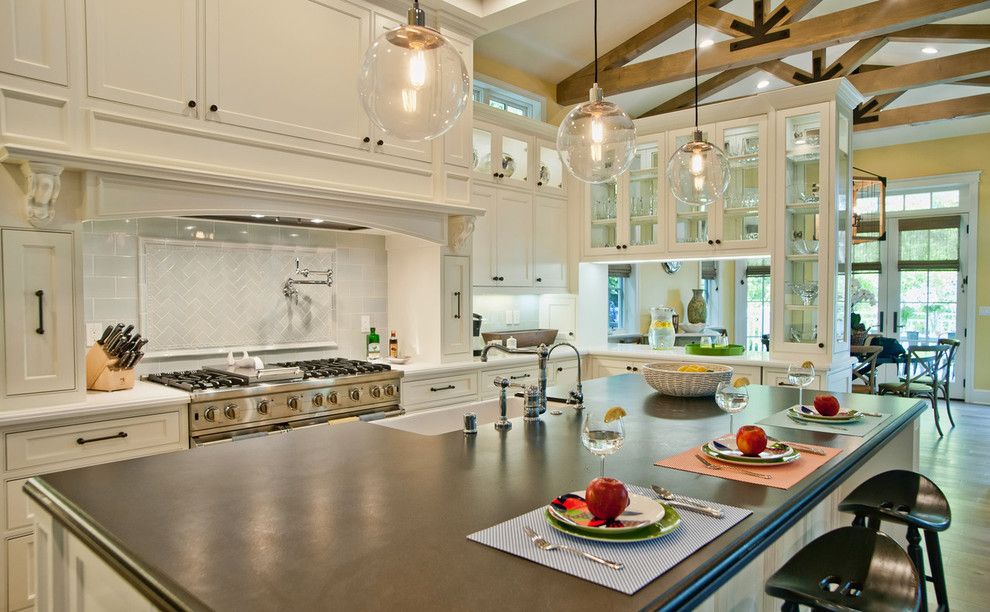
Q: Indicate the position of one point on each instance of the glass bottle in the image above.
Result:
(374, 345)
(661, 328)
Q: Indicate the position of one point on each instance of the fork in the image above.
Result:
(543, 544)
(806, 423)
(712, 466)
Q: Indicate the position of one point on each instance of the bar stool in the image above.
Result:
(907, 498)
(850, 568)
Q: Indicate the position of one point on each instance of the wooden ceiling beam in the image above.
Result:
(980, 81)
(797, 9)
(864, 21)
(858, 54)
(972, 64)
(970, 106)
(784, 71)
(944, 32)
(709, 88)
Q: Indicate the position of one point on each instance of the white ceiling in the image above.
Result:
(557, 43)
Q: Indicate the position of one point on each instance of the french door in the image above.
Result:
(912, 286)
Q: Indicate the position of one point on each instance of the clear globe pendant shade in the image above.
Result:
(596, 140)
(698, 172)
(414, 84)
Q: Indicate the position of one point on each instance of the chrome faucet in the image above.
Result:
(543, 354)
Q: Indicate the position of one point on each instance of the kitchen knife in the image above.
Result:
(128, 345)
(140, 344)
(126, 360)
(113, 333)
(138, 356)
(115, 345)
(127, 331)
(106, 334)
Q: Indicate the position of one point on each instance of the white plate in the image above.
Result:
(641, 512)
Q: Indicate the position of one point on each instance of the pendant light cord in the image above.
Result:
(595, 21)
(695, 63)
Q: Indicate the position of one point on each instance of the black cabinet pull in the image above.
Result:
(191, 104)
(41, 312)
(380, 142)
(711, 242)
(457, 294)
(560, 369)
(519, 377)
(635, 369)
(495, 174)
(618, 247)
(629, 368)
(570, 333)
(494, 278)
(119, 434)
(539, 280)
(783, 384)
(821, 345)
(501, 278)
(625, 246)
(447, 388)
(718, 241)
(366, 139)
(214, 108)
(539, 183)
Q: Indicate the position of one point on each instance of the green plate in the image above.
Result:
(670, 522)
(777, 453)
(715, 351)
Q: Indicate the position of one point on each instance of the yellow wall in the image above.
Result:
(513, 76)
(657, 288)
(946, 156)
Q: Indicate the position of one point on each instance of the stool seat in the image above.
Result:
(900, 496)
(851, 568)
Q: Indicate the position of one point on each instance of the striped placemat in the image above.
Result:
(781, 476)
(858, 428)
(644, 561)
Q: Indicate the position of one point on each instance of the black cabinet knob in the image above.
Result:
(625, 246)
(560, 369)
(501, 278)
(191, 104)
(539, 183)
(635, 369)
(618, 247)
(380, 142)
(501, 175)
(366, 139)
(717, 241)
(629, 368)
(539, 280)
(495, 174)
(494, 278)
(711, 242)
(821, 345)
(214, 108)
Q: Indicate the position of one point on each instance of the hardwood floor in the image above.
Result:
(959, 463)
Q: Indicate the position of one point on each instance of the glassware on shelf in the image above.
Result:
(600, 437)
(801, 376)
(732, 399)
(807, 291)
(804, 247)
(798, 335)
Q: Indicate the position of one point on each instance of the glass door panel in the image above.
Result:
(481, 154)
(690, 222)
(604, 217)
(843, 231)
(644, 186)
(802, 169)
(742, 205)
(515, 160)
(550, 174)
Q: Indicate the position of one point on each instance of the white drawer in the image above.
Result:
(753, 373)
(21, 583)
(94, 442)
(778, 378)
(18, 508)
(439, 391)
(611, 367)
(564, 374)
(518, 375)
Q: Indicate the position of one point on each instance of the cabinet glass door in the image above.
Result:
(481, 154)
(802, 190)
(642, 196)
(843, 235)
(691, 223)
(515, 161)
(743, 208)
(550, 173)
(603, 217)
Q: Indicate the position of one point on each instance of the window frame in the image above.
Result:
(492, 89)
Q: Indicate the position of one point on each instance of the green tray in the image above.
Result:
(715, 351)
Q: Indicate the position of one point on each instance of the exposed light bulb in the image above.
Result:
(417, 69)
(409, 100)
(697, 163)
(699, 182)
(597, 131)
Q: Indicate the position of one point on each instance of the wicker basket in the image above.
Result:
(665, 378)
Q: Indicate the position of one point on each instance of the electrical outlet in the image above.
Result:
(366, 323)
(985, 311)
(93, 333)
(508, 317)
(515, 317)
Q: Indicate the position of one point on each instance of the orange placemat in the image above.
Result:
(782, 476)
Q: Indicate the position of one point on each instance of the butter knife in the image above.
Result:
(728, 468)
(669, 499)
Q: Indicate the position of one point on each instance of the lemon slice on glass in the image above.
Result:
(614, 413)
(742, 381)
(807, 364)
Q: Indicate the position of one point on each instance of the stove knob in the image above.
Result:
(293, 402)
(263, 407)
(355, 394)
(318, 399)
(376, 391)
(210, 414)
(332, 397)
(390, 390)
(230, 411)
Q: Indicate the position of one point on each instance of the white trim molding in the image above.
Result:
(44, 182)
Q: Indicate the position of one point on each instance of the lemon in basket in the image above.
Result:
(692, 367)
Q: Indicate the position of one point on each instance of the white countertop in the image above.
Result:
(143, 395)
(415, 370)
(752, 358)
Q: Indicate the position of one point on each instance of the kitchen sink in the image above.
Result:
(443, 420)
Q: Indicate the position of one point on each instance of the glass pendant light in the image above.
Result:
(414, 84)
(698, 172)
(597, 139)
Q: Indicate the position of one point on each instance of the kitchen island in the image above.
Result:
(363, 517)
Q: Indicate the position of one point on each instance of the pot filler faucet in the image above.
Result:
(539, 397)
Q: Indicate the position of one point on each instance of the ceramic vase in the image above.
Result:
(697, 309)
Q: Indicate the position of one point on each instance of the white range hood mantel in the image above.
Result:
(116, 188)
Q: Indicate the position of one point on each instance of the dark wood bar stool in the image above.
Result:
(850, 568)
(906, 498)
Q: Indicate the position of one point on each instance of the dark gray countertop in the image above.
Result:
(364, 517)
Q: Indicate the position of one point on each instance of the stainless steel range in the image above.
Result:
(231, 403)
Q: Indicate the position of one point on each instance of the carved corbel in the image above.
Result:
(459, 229)
(44, 181)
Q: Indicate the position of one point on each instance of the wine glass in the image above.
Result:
(801, 376)
(602, 438)
(732, 398)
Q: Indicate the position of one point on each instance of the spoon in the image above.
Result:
(678, 502)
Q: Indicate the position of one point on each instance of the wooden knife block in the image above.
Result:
(99, 373)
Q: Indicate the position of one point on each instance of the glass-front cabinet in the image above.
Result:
(842, 221)
(550, 171)
(691, 225)
(501, 156)
(603, 219)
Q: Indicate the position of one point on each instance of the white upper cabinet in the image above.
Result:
(514, 238)
(144, 53)
(483, 238)
(39, 329)
(549, 242)
(32, 39)
(288, 67)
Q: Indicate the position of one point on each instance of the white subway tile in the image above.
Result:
(117, 309)
(114, 265)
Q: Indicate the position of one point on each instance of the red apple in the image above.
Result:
(826, 405)
(751, 440)
(607, 498)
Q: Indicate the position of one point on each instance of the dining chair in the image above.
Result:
(945, 375)
(923, 362)
(864, 373)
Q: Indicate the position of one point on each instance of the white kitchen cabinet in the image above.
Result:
(484, 197)
(287, 71)
(551, 175)
(144, 54)
(456, 325)
(611, 366)
(39, 321)
(549, 242)
(33, 39)
(559, 311)
(504, 156)
(457, 141)
(503, 237)
(21, 582)
(564, 374)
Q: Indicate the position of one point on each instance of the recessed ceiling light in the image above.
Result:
(258, 216)
(929, 50)
(190, 228)
(316, 220)
(293, 235)
(706, 43)
(763, 84)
